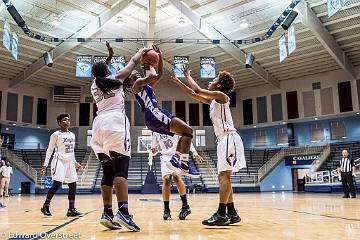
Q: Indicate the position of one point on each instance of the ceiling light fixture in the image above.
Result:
(244, 23)
(56, 21)
(119, 20)
(181, 21)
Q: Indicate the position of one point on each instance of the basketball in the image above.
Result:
(150, 58)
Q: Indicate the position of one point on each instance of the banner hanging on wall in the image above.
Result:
(179, 62)
(207, 67)
(301, 159)
(83, 66)
(282, 48)
(117, 63)
(291, 39)
(14, 46)
(6, 36)
(333, 7)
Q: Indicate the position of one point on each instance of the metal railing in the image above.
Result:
(19, 163)
(86, 169)
(323, 157)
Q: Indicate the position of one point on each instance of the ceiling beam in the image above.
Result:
(211, 33)
(311, 21)
(151, 21)
(89, 30)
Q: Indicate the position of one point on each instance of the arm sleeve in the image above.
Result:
(50, 149)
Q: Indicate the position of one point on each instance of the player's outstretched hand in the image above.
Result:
(186, 70)
(157, 49)
(198, 158)
(43, 170)
(110, 49)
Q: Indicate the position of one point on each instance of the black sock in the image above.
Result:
(166, 205)
(47, 202)
(231, 208)
(71, 204)
(123, 207)
(108, 210)
(184, 200)
(222, 209)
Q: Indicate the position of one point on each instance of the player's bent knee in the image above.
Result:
(167, 179)
(189, 135)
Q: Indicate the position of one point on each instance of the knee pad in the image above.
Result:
(56, 184)
(107, 180)
(120, 164)
(187, 135)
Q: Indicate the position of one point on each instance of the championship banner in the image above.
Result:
(207, 67)
(6, 36)
(117, 63)
(282, 48)
(291, 39)
(83, 66)
(179, 62)
(301, 159)
(333, 7)
(14, 46)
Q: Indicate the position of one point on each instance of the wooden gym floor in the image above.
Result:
(265, 216)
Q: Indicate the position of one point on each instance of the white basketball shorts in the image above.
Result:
(230, 153)
(111, 132)
(64, 172)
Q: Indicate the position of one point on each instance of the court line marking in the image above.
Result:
(60, 226)
(321, 215)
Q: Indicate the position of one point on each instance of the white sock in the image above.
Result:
(184, 157)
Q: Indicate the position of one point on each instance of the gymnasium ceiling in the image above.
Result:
(319, 49)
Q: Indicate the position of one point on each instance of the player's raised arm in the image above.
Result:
(217, 95)
(111, 53)
(125, 72)
(188, 90)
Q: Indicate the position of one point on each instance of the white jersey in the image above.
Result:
(108, 102)
(167, 144)
(63, 143)
(221, 118)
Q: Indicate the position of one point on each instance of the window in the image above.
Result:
(200, 138)
(317, 132)
(260, 138)
(337, 130)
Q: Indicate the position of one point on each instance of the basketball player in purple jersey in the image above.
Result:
(161, 121)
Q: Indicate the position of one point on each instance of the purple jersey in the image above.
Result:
(156, 119)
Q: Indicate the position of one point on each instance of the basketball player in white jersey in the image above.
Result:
(230, 149)
(63, 164)
(111, 138)
(167, 145)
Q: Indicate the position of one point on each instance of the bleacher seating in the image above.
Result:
(336, 149)
(254, 159)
